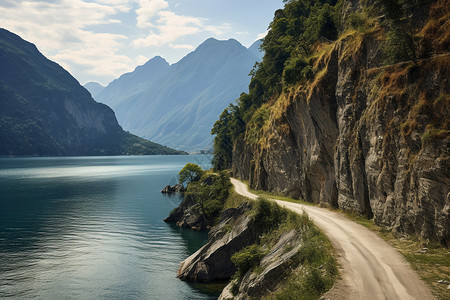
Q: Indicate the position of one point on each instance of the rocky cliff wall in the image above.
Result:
(362, 137)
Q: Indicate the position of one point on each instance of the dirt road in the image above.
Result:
(370, 268)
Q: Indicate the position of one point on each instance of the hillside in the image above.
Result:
(349, 109)
(177, 105)
(45, 111)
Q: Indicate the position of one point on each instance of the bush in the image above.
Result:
(210, 192)
(269, 215)
(247, 258)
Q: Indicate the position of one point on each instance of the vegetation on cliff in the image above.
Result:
(363, 126)
(204, 197)
(287, 60)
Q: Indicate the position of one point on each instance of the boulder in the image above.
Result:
(235, 231)
(275, 266)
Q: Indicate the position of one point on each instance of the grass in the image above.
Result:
(316, 269)
(234, 200)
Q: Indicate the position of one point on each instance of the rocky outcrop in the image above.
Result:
(188, 215)
(362, 137)
(275, 266)
(170, 189)
(235, 231)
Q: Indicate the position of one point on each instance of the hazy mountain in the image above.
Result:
(180, 107)
(130, 84)
(94, 88)
(45, 111)
(255, 48)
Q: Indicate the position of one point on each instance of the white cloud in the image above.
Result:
(147, 10)
(59, 29)
(80, 34)
(169, 27)
(261, 35)
(140, 60)
(181, 46)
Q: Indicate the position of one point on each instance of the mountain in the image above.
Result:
(359, 122)
(45, 111)
(131, 84)
(255, 48)
(94, 88)
(178, 105)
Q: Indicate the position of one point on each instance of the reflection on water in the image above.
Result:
(91, 228)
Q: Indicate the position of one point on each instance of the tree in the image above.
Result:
(401, 43)
(190, 173)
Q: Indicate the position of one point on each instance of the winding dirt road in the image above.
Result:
(370, 268)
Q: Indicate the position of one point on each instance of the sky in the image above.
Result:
(98, 40)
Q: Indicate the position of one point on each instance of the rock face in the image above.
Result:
(235, 231)
(177, 188)
(275, 265)
(364, 138)
(188, 215)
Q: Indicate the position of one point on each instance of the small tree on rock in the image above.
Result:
(190, 173)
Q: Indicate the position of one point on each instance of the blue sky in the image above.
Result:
(98, 40)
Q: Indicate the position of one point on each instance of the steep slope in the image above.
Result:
(359, 135)
(122, 90)
(179, 108)
(94, 88)
(45, 111)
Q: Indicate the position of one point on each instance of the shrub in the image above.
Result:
(269, 215)
(247, 258)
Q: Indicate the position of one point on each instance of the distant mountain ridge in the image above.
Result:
(178, 104)
(45, 111)
(132, 83)
(94, 88)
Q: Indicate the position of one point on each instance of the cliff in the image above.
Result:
(360, 135)
(45, 111)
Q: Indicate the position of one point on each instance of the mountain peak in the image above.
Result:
(212, 42)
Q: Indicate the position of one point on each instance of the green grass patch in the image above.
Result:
(234, 200)
(317, 266)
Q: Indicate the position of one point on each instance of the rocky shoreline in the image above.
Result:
(238, 229)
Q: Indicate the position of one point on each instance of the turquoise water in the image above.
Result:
(91, 228)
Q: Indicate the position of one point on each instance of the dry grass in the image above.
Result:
(436, 31)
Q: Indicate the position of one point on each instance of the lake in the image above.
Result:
(92, 228)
